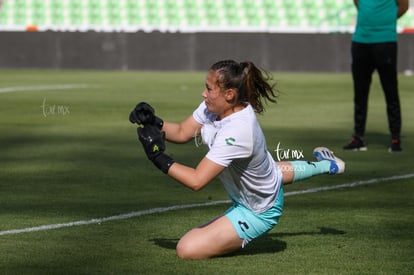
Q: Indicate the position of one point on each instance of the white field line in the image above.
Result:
(186, 206)
(44, 87)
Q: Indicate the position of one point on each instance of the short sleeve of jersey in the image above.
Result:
(201, 114)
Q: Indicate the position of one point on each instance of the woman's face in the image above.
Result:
(214, 96)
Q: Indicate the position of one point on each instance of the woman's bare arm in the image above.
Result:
(181, 132)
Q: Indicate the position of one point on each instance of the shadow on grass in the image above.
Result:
(264, 245)
(322, 231)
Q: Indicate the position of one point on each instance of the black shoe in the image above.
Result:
(395, 146)
(356, 144)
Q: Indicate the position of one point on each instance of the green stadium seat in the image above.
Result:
(72, 14)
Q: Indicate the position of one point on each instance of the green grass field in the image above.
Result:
(68, 153)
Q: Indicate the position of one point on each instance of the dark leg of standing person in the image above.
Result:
(362, 69)
(385, 55)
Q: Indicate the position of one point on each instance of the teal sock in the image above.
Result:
(306, 169)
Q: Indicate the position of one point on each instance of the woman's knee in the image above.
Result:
(186, 250)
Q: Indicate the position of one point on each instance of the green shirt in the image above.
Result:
(376, 21)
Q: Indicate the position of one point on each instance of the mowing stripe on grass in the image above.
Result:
(177, 207)
(44, 87)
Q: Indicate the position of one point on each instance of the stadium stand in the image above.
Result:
(183, 15)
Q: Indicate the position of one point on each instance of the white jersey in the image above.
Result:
(250, 177)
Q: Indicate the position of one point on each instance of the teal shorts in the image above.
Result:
(250, 225)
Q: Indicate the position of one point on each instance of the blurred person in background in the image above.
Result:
(374, 47)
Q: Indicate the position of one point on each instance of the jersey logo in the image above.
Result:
(229, 141)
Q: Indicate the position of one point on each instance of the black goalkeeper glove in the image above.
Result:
(153, 141)
(144, 114)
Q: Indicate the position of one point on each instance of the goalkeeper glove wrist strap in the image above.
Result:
(163, 162)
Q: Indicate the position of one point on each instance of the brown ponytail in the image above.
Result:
(250, 82)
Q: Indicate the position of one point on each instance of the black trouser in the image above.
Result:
(365, 59)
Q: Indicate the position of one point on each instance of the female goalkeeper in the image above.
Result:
(227, 123)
